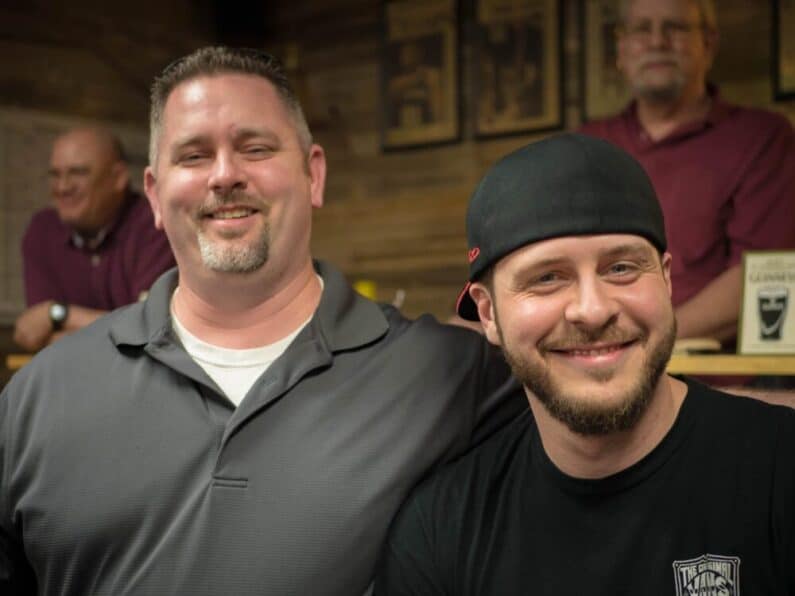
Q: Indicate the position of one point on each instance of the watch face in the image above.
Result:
(57, 312)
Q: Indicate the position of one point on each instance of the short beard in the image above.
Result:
(226, 257)
(663, 95)
(235, 259)
(660, 94)
(585, 418)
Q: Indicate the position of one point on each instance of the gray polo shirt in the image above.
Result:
(125, 470)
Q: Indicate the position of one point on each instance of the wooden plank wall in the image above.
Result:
(397, 217)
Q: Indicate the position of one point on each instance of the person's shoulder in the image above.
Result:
(44, 229)
(738, 413)
(66, 369)
(758, 121)
(44, 219)
(601, 127)
(139, 211)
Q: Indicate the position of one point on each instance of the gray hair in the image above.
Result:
(706, 9)
(211, 61)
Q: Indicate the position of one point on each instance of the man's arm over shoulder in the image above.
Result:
(16, 575)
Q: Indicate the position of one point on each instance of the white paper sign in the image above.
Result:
(767, 318)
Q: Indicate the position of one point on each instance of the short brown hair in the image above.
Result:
(210, 61)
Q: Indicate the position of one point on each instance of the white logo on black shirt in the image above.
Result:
(708, 575)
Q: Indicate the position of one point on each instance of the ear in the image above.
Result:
(150, 188)
(121, 176)
(621, 50)
(666, 271)
(485, 304)
(711, 44)
(317, 174)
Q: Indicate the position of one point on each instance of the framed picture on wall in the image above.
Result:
(517, 66)
(419, 73)
(783, 49)
(604, 91)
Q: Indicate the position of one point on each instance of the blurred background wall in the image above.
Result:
(395, 218)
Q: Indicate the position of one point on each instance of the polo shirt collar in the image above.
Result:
(93, 244)
(343, 319)
(719, 111)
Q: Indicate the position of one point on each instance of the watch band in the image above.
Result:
(58, 313)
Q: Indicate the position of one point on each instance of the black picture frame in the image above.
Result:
(517, 67)
(420, 74)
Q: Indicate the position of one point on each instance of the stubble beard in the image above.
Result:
(586, 418)
(663, 93)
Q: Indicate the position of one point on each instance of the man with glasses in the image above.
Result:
(95, 249)
(252, 427)
(724, 174)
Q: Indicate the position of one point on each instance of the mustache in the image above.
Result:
(578, 338)
(237, 198)
(657, 57)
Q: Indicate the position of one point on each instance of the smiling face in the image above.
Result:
(586, 324)
(665, 49)
(232, 187)
(87, 180)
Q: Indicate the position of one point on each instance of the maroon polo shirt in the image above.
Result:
(726, 185)
(127, 261)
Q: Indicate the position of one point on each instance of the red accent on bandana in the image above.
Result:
(473, 253)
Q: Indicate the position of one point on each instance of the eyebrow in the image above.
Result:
(241, 134)
(633, 248)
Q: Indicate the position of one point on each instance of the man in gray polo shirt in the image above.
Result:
(252, 427)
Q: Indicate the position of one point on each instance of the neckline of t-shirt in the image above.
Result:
(629, 477)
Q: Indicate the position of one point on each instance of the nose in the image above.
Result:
(591, 306)
(227, 175)
(659, 36)
(60, 184)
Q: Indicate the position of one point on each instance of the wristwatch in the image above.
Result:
(58, 313)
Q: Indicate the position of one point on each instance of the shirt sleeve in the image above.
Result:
(407, 564)
(39, 280)
(763, 215)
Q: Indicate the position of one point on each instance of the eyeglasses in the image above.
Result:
(643, 31)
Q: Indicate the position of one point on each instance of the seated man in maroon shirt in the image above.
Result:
(724, 174)
(95, 249)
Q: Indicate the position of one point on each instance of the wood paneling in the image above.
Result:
(396, 218)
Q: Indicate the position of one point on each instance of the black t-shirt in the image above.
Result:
(710, 511)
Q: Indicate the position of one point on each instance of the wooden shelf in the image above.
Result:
(731, 364)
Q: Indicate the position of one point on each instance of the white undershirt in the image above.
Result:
(234, 371)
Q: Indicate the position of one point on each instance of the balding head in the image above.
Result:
(88, 178)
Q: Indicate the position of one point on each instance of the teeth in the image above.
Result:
(232, 214)
(597, 352)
